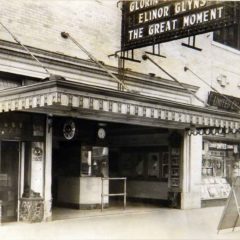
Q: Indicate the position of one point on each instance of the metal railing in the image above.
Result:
(124, 194)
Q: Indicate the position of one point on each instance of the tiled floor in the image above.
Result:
(113, 209)
(139, 222)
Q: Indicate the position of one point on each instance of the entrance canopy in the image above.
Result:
(66, 98)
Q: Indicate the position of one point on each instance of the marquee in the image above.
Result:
(148, 22)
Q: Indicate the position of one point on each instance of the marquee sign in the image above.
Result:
(148, 22)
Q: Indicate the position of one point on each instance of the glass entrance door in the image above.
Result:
(9, 166)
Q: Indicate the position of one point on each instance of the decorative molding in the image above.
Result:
(75, 66)
(64, 95)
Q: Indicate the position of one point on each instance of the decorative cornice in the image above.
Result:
(74, 97)
(72, 63)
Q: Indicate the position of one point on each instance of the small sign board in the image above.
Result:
(148, 22)
(222, 101)
(231, 215)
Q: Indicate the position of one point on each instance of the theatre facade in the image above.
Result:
(71, 135)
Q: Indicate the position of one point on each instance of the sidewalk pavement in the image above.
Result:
(141, 223)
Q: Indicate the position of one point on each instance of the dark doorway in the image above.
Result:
(9, 167)
(66, 163)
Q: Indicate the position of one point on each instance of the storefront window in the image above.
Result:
(220, 167)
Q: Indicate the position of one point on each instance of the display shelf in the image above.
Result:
(214, 188)
(217, 198)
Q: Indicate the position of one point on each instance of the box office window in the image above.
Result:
(94, 161)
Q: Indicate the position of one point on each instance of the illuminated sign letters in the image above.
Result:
(148, 22)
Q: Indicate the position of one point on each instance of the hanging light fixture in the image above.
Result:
(214, 131)
(234, 130)
(207, 131)
(201, 131)
(227, 130)
(220, 130)
(189, 132)
(195, 132)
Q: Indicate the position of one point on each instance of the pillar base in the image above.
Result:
(31, 210)
(190, 200)
(47, 210)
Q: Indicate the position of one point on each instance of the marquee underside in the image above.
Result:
(65, 98)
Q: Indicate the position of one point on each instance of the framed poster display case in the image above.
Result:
(174, 179)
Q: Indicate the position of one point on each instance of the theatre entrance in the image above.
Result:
(100, 150)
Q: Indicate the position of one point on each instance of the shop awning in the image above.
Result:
(66, 98)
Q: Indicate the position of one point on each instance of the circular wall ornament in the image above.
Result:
(101, 133)
(37, 151)
(69, 129)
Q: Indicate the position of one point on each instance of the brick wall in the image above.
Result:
(96, 24)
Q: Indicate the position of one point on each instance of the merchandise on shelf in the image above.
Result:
(215, 187)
